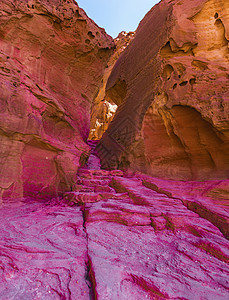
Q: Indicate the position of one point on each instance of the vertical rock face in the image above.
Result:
(52, 58)
(104, 108)
(171, 85)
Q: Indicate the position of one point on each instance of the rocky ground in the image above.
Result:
(115, 237)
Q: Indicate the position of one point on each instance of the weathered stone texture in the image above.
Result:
(52, 58)
(171, 85)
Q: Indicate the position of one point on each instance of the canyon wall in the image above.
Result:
(171, 87)
(52, 59)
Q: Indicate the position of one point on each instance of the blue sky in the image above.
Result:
(117, 15)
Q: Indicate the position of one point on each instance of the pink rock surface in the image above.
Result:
(138, 241)
(43, 252)
(209, 199)
(155, 249)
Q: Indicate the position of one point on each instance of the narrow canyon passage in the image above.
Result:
(114, 168)
(114, 237)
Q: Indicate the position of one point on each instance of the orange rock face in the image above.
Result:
(104, 108)
(52, 59)
(171, 85)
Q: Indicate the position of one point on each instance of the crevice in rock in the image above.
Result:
(90, 275)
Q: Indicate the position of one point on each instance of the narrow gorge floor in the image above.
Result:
(115, 237)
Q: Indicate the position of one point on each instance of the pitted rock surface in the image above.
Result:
(171, 87)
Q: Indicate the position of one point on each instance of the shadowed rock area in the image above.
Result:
(71, 230)
(171, 88)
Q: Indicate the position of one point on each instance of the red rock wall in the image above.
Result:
(171, 85)
(52, 58)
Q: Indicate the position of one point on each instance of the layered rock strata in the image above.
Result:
(171, 85)
(52, 59)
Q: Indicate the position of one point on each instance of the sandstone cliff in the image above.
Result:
(52, 59)
(171, 85)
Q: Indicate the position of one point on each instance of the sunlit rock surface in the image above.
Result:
(104, 108)
(171, 85)
(116, 237)
(52, 59)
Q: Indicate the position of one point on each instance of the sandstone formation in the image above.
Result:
(104, 108)
(52, 59)
(171, 85)
(110, 234)
(115, 237)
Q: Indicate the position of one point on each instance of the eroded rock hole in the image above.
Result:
(216, 16)
(77, 14)
(91, 35)
(192, 81)
(167, 72)
(103, 112)
(183, 83)
(221, 34)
